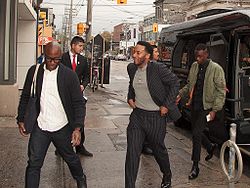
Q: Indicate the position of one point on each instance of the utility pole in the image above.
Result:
(125, 31)
(88, 37)
(65, 31)
(111, 42)
(70, 20)
(89, 20)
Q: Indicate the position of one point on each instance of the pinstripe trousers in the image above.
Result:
(151, 126)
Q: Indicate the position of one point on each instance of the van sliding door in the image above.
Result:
(243, 76)
(218, 50)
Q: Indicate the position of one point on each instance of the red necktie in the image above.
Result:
(74, 63)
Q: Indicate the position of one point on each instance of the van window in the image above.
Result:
(184, 53)
(218, 49)
(180, 55)
(244, 54)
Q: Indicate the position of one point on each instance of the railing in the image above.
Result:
(231, 173)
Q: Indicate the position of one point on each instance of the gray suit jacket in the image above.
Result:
(163, 87)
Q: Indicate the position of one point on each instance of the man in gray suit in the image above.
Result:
(152, 92)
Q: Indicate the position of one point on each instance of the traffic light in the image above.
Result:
(121, 2)
(42, 15)
(80, 28)
(155, 27)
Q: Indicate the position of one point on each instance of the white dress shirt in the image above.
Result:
(71, 58)
(52, 116)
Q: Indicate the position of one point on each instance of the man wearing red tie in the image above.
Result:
(78, 64)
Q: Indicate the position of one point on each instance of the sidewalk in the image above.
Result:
(107, 118)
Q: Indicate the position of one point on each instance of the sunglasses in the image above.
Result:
(50, 59)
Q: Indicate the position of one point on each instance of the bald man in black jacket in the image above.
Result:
(57, 87)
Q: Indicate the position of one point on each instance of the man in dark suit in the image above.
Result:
(152, 92)
(57, 87)
(79, 64)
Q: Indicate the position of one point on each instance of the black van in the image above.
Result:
(228, 37)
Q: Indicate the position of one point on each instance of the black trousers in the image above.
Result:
(145, 125)
(38, 145)
(199, 123)
(82, 131)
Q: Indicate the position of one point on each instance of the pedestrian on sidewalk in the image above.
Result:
(61, 108)
(206, 89)
(79, 64)
(156, 54)
(152, 92)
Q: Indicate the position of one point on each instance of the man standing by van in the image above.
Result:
(206, 89)
(152, 92)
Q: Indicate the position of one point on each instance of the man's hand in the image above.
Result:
(131, 103)
(76, 137)
(82, 88)
(178, 98)
(212, 115)
(22, 129)
(163, 110)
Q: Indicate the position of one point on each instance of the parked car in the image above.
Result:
(120, 57)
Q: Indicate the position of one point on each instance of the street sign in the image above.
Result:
(44, 40)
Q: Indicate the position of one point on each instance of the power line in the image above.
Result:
(122, 10)
(99, 5)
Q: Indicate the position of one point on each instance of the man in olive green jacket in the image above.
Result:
(206, 89)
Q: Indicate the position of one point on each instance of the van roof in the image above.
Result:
(225, 20)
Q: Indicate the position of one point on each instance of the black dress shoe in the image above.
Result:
(82, 151)
(147, 151)
(211, 152)
(194, 173)
(166, 181)
(166, 185)
(82, 183)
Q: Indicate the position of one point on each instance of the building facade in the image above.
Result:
(125, 35)
(170, 12)
(17, 49)
(194, 7)
(148, 34)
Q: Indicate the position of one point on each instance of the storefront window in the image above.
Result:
(8, 34)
